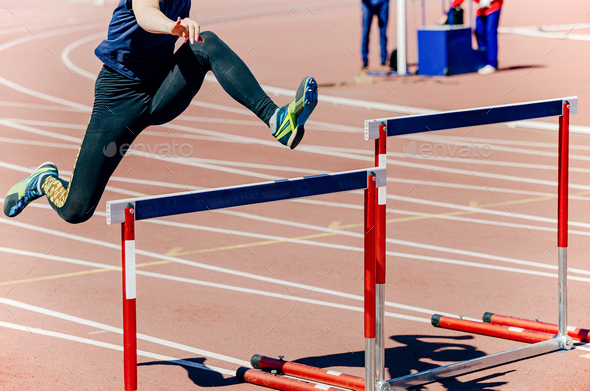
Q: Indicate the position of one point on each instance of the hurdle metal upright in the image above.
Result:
(562, 107)
(128, 211)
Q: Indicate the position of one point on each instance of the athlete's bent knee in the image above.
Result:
(77, 216)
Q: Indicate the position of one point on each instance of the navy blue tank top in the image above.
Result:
(132, 51)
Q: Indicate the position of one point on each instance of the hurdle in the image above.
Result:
(128, 211)
(562, 108)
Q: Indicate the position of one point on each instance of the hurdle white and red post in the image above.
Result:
(562, 221)
(129, 297)
(370, 285)
(380, 257)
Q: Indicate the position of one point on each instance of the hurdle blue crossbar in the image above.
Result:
(409, 124)
(227, 197)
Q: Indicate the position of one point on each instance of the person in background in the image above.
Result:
(370, 9)
(486, 31)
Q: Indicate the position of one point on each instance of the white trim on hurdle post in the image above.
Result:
(129, 299)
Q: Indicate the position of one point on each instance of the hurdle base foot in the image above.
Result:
(477, 364)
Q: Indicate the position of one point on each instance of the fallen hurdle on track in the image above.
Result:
(128, 211)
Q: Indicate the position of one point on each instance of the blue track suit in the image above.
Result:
(486, 33)
(371, 8)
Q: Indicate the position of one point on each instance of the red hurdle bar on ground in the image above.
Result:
(278, 382)
(128, 211)
(513, 333)
(411, 124)
(306, 372)
(501, 320)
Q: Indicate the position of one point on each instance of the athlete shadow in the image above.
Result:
(417, 355)
(200, 377)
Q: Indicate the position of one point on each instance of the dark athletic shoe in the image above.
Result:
(27, 190)
(291, 118)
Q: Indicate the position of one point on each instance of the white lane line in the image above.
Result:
(547, 31)
(259, 292)
(316, 150)
(487, 162)
(66, 60)
(40, 132)
(489, 222)
(36, 106)
(132, 151)
(314, 243)
(51, 124)
(183, 161)
(286, 169)
(66, 52)
(339, 101)
(316, 125)
(532, 144)
(495, 148)
(268, 89)
(117, 330)
(323, 229)
(28, 170)
(426, 167)
(318, 202)
(390, 240)
(325, 151)
(482, 188)
(107, 345)
(484, 211)
(443, 158)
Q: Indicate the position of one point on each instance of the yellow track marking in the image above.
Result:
(77, 273)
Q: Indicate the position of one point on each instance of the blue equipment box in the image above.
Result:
(447, 50)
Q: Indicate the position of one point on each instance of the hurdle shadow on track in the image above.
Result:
(200, 377)
(416, 356)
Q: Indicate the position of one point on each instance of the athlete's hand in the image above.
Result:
(186, 28)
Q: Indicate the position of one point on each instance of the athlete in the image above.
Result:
(142, 83)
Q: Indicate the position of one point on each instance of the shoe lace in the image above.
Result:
(28, 197)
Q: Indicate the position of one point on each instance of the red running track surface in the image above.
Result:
(276, 279)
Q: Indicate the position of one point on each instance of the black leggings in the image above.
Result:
(124, 107)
